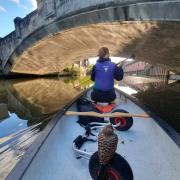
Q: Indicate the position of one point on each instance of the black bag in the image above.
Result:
(84, 105)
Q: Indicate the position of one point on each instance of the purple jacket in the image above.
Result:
(103, 74)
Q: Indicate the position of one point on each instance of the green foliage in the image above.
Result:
(85, 81)
(72, 70)
(75, 70)
(66, 70)
(89, 69)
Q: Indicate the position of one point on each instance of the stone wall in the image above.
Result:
(23, 27)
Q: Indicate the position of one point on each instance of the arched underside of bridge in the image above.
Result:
(61, 43)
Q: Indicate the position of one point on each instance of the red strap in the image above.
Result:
(105, 109)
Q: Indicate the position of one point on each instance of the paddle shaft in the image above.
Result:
(132, 56)
(110, 115)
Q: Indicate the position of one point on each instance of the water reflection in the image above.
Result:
(11, 125)
(38, 99)
(26, 107)
(13, 147)
(164, 102)
(3, 111)
(162, 96)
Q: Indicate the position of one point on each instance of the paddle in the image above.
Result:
(132, 56)
(110, 115)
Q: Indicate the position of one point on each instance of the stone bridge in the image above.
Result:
(61, 32)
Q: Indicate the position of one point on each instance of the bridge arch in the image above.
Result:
(79, 33)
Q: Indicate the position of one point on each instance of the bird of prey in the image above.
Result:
(107, 144)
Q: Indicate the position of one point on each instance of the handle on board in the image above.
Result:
(110, 115)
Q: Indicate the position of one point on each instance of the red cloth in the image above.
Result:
(105, 109)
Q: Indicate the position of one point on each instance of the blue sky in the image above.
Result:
(9, 9)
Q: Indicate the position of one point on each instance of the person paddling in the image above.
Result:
(103, 74)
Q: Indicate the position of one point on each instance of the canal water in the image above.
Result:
(161, 96)
(27, 105)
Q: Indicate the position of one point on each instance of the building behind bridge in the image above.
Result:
(141, 68)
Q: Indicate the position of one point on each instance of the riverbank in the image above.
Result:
(24, 76)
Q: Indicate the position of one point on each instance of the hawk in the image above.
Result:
(107, 144)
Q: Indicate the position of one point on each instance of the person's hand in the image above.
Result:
(120, 64)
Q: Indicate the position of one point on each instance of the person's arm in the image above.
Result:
(118, 73)
(93, 73)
